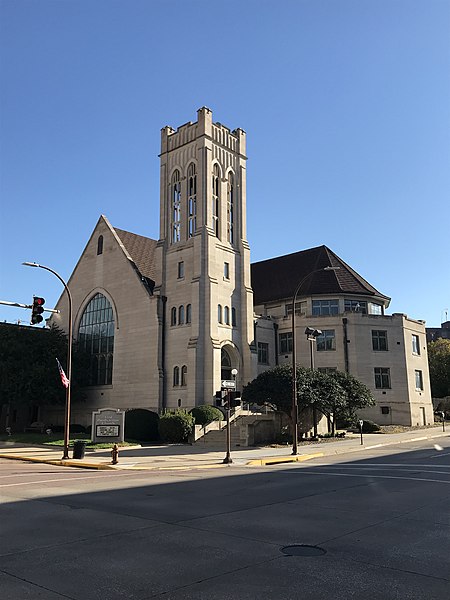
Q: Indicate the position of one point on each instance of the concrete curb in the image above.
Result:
(283, 459)
(58, 462)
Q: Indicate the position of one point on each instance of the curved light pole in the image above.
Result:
(69, 358)
(294, 361)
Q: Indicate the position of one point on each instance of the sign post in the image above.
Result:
(228, 385)
(361, 423)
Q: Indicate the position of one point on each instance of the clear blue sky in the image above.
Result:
(346, 105)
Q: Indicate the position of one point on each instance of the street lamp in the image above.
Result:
(69, 358)
(311, 335)
(294, 361)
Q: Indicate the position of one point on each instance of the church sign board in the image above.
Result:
(108, 425)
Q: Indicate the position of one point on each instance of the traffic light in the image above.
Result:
(36, 310)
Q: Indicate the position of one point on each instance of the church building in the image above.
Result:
(166, 321)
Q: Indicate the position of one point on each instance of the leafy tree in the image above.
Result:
(357, 395)
(28, 369)
(439, 363)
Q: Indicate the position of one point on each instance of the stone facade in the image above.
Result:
(183, 305)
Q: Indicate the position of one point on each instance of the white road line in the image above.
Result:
(381, 465)
(41, 481)
(440, 455)
(302, 472)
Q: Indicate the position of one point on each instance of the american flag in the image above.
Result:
(64, 379)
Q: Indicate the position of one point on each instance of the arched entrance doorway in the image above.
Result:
(226, 365)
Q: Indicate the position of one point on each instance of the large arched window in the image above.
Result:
(176, 207)
(216, 200)
(96, 338)
(192, 199)
(230, 208)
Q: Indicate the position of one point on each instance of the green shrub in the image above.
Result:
(370, 427)
(205, 414)
(141, 425)
(76, 428)
(176, 427)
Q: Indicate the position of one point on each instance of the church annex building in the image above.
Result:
(166, 320)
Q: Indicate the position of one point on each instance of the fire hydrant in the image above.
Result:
(115, 454)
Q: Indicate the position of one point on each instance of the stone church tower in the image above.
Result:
(205, 260)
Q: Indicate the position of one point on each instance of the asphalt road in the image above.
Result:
(376, 526)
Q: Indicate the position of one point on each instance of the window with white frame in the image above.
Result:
(263, 353)
(216, 200)
(325, 307)
(192, 199)
(419, 380)
(300, 308)
(285, 341)
(375, 309)
(230, 208)
(326, 341)
(415, 344)
(382, 378)
(176, 207)
(355, 306)
(379, 340)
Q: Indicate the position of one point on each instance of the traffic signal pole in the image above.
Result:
(69, 357)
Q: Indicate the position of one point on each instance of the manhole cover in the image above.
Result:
(303, 550)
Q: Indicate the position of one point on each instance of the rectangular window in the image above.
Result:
(226, 270)
(415, 344)
(300, 308)
(325, 307)
(355, 306)
(419, 380)
(180, 270)
(379, 340)
(326, 341)
(285, 340)
(263, 353)
(382, 378)
(375, 309)
(385, 410)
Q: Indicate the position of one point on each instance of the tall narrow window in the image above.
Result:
(230, 208)
(181, 315)
(415, 344)
(219, 313)
(188, 314)
(192, 199)
(216, 200)
(173, 316)
(176, 206)
(176, 376)
(96, 338)
(233, 317)
(100, 245)
(226, 315)
(184, 375)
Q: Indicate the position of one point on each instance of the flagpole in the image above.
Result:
(69, 358)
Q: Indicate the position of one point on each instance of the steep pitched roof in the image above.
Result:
(277, 278)
(141, 250)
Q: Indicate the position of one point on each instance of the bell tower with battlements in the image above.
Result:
(205, 260)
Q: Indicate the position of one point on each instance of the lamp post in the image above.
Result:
(69, 358)
(294, 361)
(311, 335)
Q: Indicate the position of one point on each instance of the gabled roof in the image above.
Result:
(141, 250)
(277, 278)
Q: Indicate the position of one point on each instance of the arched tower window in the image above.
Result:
(176, 207)
(96, 338)
(176, 376)
(192, 199)
(216, 200)
(188, 313)
(219, 313)
(226, 315)
(230, 208)
(100, 245)
(184, 375)
(181, 315)
(173, 315)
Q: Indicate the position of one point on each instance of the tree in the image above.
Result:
(28, 369)
(357, 395)
(439, 363)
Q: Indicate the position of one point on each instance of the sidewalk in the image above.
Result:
(183, 457)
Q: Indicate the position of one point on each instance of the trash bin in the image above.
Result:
(79, 448)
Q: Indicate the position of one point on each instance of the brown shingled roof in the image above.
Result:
(277, 278)
(142, 251)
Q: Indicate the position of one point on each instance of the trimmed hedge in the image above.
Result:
(205, 414)
(141, 425)
(176, 427)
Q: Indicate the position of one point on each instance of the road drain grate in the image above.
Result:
(303, 550)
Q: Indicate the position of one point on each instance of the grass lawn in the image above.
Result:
(57, 439)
